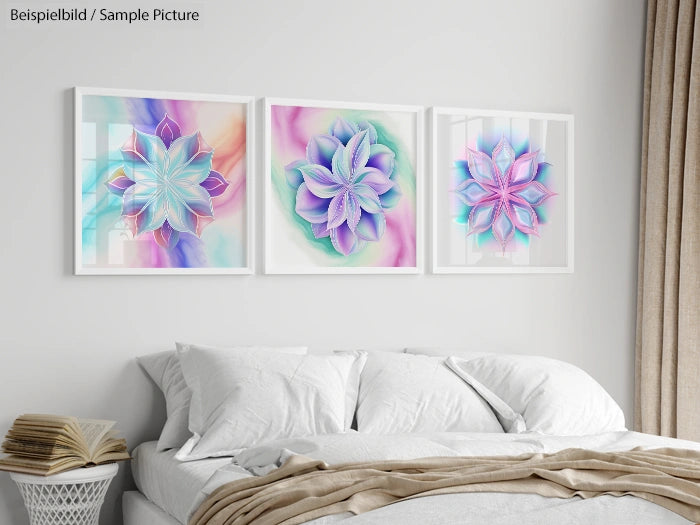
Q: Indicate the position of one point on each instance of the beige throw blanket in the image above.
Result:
(303, 489)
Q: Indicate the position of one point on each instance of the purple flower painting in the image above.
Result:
(344, 186)
(167, 183)
(344, 190)
(502, 191)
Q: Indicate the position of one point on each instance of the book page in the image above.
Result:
(111, 448)
(45, 420)
(93, 431)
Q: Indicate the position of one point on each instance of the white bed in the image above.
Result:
(138, 510)
(233, 412)
(170, 490)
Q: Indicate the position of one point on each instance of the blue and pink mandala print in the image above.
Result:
(166, 183)
(503, 192)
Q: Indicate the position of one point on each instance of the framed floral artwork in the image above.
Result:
(163, 183)
(343, 187)
(502, 192)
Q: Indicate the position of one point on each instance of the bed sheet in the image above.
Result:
(355, 446)
(494, 508)
(171, 484)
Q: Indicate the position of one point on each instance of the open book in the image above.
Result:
(45, 444)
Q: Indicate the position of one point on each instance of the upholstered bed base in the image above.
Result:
(140, 511)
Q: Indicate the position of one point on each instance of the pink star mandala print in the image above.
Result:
(502, 192)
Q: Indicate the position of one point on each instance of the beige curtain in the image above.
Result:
(667, 400)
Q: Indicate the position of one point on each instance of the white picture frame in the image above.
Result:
(459, 243)
(229, 248)
(291, 245)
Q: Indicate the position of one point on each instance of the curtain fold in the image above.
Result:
(667, 397)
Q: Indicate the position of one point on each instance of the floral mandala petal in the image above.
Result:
(523, 169)
(119, 182)
(190, 159)
(343, 129)
(215, 183)
(354, 211)
(523, 217)
(372, 131)
(343, 239)
(152, 215)
(472, 193)
(192, 196)
(320, 181)
(375, 179)
(166, 237)
(503, 229)
(138, 196)
(356, 153)
(338, 210)
(368, 198)
(320, 230)
(293, 173)
(462, 169)
(503, 157)
(381, 158)
(341, 171)
(391, 198)
(320, 150)
(533, 193)
(371, 226)
(168, 130)
(310, 207)
(145, 155)
(482, 216)
(481, 168)
(181, 217)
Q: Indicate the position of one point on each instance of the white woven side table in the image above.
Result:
(73, 497)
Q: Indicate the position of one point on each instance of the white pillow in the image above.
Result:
(241, 397)
(401, 393)
(553, 397)
(164, 368)
(445, 351)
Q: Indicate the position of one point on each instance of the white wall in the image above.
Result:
(68, 342)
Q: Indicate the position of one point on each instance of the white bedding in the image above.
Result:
(180, 487)
(171, 484)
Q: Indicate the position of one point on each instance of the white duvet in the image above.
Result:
(476, 508)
